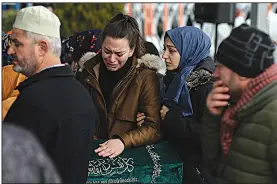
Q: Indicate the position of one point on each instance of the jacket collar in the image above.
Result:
(153, 62)
(61, 71)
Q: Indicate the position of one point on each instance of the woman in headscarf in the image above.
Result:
(187, 82)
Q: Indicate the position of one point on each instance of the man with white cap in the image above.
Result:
(63, 125)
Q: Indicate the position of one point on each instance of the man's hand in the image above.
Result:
(218, 98)
(140, 118)
(163, 111)
(110, 148)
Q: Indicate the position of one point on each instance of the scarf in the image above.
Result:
(229, 124)
(193, 46)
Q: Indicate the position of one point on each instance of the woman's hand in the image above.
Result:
(140, 119)
(163, 111)
(110, 148)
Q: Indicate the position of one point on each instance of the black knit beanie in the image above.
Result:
(247, 51)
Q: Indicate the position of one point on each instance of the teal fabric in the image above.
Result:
(157, 163)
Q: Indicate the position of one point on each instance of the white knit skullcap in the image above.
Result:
(38, 19)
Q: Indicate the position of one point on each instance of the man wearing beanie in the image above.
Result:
(239, 131)
(63, 125)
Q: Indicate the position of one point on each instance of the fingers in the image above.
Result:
(220, 89)
(113, 155)
(218, 98)
(104, 151)
(107, 154)
(101, 148)
(165, 108)
(110, 148)
(139, 124)
(163, 111)
(162, 114)
(104, 143)
(140, 119)
(140, 114)
(217, 104)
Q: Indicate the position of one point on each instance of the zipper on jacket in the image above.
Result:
(118, 84)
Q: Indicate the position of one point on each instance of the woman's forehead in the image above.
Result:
(168, 42)
(115, 43)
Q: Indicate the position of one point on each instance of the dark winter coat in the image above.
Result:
(184, 132)
(59, 111)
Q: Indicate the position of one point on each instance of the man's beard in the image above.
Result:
(26, 66)
(235, 95)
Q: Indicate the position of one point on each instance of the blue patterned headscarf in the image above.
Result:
(193, 46)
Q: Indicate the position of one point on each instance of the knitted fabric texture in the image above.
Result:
(247, 51)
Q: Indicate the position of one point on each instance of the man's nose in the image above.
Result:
(10, 50)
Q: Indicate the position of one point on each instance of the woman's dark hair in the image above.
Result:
(166, 35)
(125, 26)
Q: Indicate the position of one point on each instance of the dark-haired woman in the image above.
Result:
(122, 85)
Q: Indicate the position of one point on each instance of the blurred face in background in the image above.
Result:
(171, 55)
(116, 52)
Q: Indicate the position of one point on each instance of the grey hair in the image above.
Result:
(55, 45)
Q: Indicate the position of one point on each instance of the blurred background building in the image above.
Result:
(215, 19)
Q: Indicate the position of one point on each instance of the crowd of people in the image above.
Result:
(218, 114)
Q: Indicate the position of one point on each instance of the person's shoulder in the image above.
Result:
(150, 62)
(89, 64)
(207, 64)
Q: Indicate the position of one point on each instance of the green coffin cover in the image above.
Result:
(156, 163)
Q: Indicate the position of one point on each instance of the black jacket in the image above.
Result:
(59, 111)
(184, 132)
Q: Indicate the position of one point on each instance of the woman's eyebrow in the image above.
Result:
(115, 51)
(171, 46)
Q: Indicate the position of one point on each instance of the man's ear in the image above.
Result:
(43, 47)
(244, 81)
(243, 78)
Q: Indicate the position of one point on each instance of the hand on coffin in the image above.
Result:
(110, 148)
